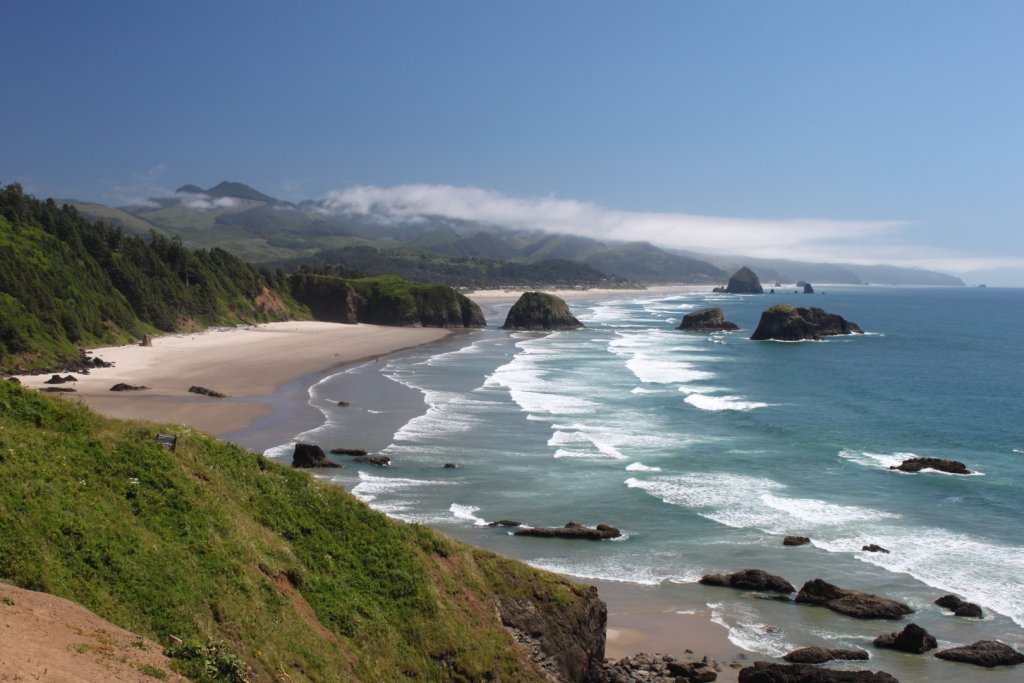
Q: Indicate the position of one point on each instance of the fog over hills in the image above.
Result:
(466, 223)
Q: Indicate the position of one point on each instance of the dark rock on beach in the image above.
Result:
(121, 386)
(874, 548)
(820, 655)
(505, 522)
(348, 451)
(57, 379)
(851, 602)
(707, 320)
(987, 653)
(540, 311)
(795, 540)
(960, 608)
(659, 668)
(310, 455)
(343, 404)
(768, 672)
(912, 639)
(206, 392)
(750, 579)
(58, 390)
(939, 464)
(378, 460)
(783, 322)
(572, 530)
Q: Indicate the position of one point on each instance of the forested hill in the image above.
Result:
(66, 282)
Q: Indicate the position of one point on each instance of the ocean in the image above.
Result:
(707, 449)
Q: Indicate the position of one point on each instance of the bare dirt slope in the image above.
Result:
(46, 638)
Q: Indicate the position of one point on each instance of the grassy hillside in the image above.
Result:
(294, 576)
(66, 282)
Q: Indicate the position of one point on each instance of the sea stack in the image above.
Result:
(540, 311)
(744, 281)
(783, 322)
(707, 320)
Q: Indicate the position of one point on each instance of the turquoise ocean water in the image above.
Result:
(707, 449)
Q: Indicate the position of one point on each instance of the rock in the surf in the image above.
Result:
(540, 311)
(912, 639)
(851, 602)
(987, 653)
(820, 655)
(874, 548)
(378, 460)
(770, 672)
(348, 451)
(960, 608)
(783, 322)
(750, 579)
(795, 540)
(707, 320)
(938, 464)
(571, 530)
(310, 455)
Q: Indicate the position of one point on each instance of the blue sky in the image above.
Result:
(858, 131)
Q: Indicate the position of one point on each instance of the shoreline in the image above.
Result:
(268, 370)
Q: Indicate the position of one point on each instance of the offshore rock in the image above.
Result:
(348, 451)
(850, 602)
(960, 608)
(912, 639)
(820, 655)
(808, 289)
(378, 460)
(567, 642)
(540, 311)
(505, 522)
(874, 548)
(744, 281)
(310, 455)
(987, 653)
(795, 540)
(659, 669)
(571, 530)
(918, 464)
(750, 579)
(783, 322)
(707, 320)
(767, 672)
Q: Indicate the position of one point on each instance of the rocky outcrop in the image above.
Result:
(808, 289)
(743, 281)
(568, 642)
(850, 602)
(121, 386)
(378, 460)
(572, 530)
(987, 653)
(206, 392)
(918, 464)
(657, 668)
(960, 607)
(820, 655)
(912, 639)
(707, 320)
(783, 322)
(57, 379)
(795, 540)
(750, 579)
(310, 455)
(874, 548)
(540, 311)
(348, 451)
(505, 522)
(767, 672)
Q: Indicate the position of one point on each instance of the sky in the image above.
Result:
(860, 132)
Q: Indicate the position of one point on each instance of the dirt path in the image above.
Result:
(46, 638)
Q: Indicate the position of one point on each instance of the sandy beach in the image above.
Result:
(243, 362)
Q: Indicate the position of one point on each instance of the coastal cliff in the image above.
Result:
(540, 311)
(254, 564)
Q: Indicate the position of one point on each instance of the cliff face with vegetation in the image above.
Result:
(295, 577)
(66, 282)
(384, 300)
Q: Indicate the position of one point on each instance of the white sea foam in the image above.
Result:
(466, 512)
(747, 632)
(624, 570)
(745, 502)
(705, 401)
(370, 486)
(640, 467)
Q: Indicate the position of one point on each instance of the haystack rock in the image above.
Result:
(744, 281)
(540, 311)
(707, 320)
(783, 322)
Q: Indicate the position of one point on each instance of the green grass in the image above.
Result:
(215, 543)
